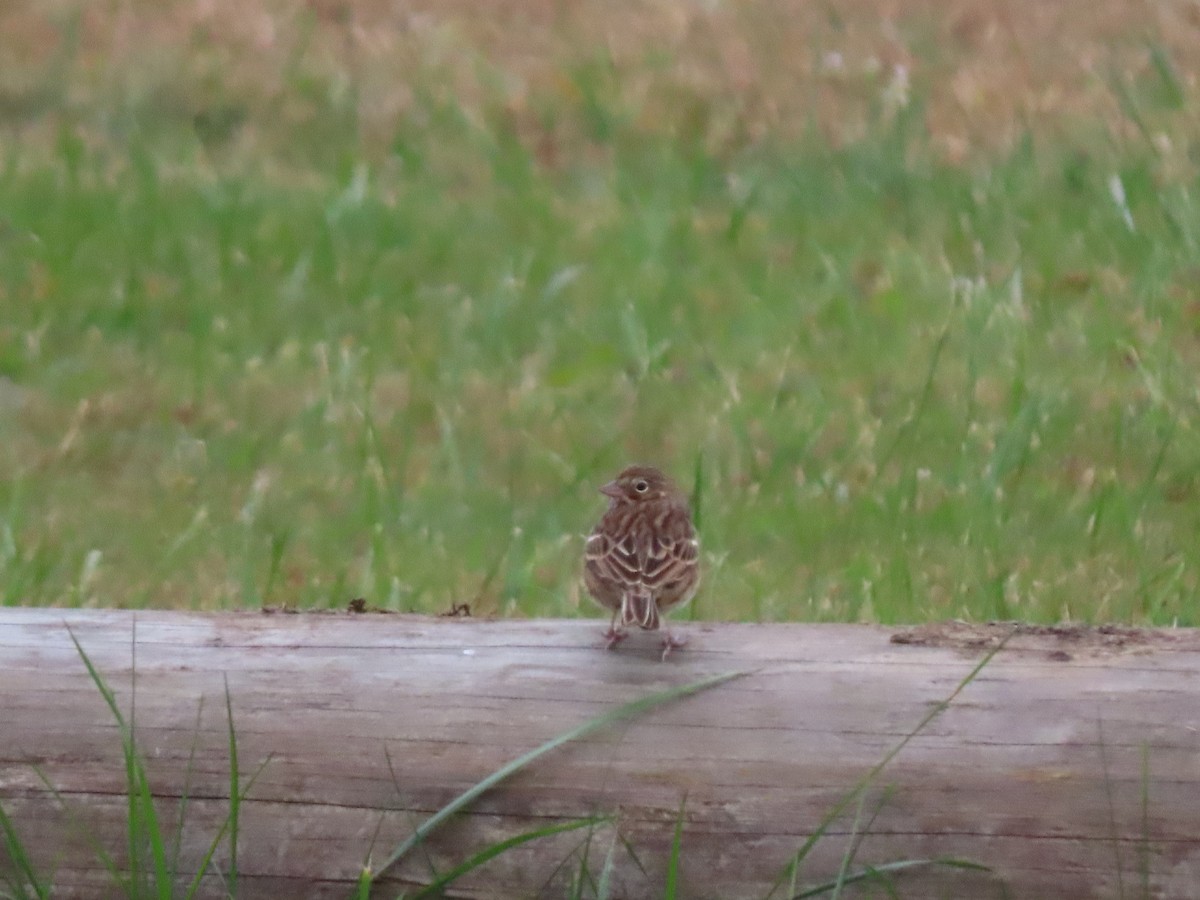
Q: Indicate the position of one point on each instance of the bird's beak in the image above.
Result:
(612, 489)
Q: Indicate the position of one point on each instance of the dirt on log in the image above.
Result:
(1070, 766)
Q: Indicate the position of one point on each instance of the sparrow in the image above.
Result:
(642, 558)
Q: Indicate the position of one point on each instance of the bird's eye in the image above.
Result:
(641, 487)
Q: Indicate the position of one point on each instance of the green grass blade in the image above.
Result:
(148, 832)
(145, 828)
(216, 841)
(135, 824)
(877, 872)
(1112, 807)
(469, 796)
(364, 873)
(913, 420)
(25, 883)
(435, 889)
(121, 879)
(583, 873)
(177, 844)
(1144, 848)
(576, 888)
(234, 793)
(362, 889)
(851, 850)
(411, 818)
(604, 885)
(857, 836)
(676, 846)
(98, 680)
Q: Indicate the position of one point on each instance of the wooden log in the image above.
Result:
(1070, 765)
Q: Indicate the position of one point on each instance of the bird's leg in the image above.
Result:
(614, 635)
(670, 642)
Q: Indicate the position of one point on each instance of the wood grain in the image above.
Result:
(1071, 765)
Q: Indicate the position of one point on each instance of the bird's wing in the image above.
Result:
(612, 560)
(669, 558)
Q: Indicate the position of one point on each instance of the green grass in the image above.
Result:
(321, 368)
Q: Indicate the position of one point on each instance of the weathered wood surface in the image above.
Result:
(1038, 769)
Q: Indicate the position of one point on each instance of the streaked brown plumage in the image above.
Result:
(642, 559)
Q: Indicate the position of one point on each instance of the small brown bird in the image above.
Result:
(642, 559)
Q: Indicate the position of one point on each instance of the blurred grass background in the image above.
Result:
(307, 302)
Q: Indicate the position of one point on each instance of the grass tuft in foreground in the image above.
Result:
(153, 867)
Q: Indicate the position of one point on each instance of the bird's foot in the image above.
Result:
(612, 637)
(669, 643)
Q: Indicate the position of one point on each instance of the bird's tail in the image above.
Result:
(638, 607)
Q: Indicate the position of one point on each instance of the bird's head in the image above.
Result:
(639, 484)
